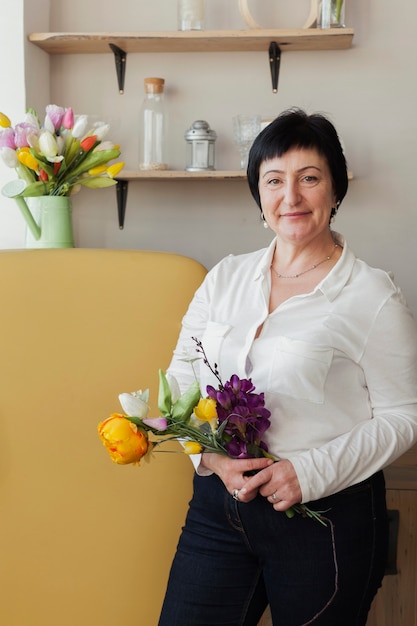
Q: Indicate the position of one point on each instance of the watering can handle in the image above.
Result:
(14, 189)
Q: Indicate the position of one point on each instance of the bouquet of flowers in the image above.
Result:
(231, 420)
(57, 157)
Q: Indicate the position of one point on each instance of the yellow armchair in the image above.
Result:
(85, 542)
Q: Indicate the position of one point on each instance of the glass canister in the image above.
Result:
(331, 13)
(190, 14)
(200, 140)
(152, 127)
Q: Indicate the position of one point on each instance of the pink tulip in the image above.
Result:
(68, 119)
(7, 139)
(158, 423)
(21, 133)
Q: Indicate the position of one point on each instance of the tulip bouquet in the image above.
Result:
(231, 420)
(59, 155)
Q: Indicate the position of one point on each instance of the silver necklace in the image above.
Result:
(313, 267)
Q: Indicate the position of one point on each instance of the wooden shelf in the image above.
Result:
(127, 176)
(120, 44)
(195, 41)
(172, 175)
(182, 175)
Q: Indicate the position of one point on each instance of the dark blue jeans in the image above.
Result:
(235, 558)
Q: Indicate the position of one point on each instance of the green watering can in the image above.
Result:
(48, 218)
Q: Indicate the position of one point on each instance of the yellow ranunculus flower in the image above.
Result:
(125, 442)
(206, 410)
(4, 121)
(192, 447)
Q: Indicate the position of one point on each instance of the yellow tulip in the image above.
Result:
(206, 410)
(96, 171)
(125, 442)
(25, 158)
(192, 447)
(115, 169)
(4, 121)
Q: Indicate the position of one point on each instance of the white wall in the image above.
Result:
(369, 92)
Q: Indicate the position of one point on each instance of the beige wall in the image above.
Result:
(369, 91)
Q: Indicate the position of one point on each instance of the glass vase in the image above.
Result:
(191, 14)
(331, 13)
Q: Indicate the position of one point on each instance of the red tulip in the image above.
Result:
(88, 142)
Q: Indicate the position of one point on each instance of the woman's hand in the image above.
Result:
(232, 471)
(277, 482)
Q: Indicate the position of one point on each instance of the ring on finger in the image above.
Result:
(235, 494)
(275, 498)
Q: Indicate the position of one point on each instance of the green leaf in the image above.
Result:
(93, 159)
(26, 174)
(37, 189)
(164, 395)
(184, 406)
(71, 149)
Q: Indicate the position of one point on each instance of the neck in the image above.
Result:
(293, 262)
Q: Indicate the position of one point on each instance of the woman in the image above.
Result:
(333, 345)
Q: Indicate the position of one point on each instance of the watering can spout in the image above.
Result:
(15, 189)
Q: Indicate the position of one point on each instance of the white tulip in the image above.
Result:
(175, 388)
(135, 404)
(47, 144)
(80, 126)
(9, 157)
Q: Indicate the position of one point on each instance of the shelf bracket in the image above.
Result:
(120, 60)
(274, 63)
(121, 195)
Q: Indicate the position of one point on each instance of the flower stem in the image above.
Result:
(305, 511)
(339, 4)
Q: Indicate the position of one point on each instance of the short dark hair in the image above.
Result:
(293, 128)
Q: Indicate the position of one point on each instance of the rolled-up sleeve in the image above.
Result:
(389, 363)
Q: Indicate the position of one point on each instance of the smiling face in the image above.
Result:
(297, 195)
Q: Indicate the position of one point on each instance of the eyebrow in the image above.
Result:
(302, 169)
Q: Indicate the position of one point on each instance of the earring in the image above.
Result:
(264, 224)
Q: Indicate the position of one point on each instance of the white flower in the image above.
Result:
(32, 120)
(175, 388)
(80, 126)
(101, 130)
(47, 144)
(135, 404)
(104, 145)
(9, 157)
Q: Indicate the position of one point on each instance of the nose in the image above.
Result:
(291, 193)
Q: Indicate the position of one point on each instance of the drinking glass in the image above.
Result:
(245, 130)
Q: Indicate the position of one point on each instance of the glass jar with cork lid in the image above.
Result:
(152, 126)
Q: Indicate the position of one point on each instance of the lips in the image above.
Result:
(295, 214)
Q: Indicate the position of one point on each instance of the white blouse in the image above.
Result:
(338, 366)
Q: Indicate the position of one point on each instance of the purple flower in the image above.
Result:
(245, 415)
